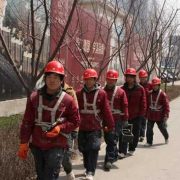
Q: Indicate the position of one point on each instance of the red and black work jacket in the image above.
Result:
(118, 103)
(158, 106)
(94, 109)
(66, 110)
(136, 101)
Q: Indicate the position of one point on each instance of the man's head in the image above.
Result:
(143, 76)
(90, 76)
(111, 77)
(130, 76)
(54, 75)
(156, 82)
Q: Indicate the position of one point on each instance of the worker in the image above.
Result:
(50, 115)
(94, 111)
(158, 112)
(119, 108)
(136, 105)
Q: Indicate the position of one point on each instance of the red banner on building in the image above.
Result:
(87, 41)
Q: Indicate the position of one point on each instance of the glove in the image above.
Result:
(53, 132)
(106, 129)
(23, 150)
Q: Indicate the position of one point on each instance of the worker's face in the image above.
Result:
(111, 82)
(90, 82)
(143, 80)
(53, 82)
(156, 87)
(130, 79)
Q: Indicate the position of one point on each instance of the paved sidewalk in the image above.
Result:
(159, 162)
(175, 83)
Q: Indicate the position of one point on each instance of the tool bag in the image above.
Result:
(127, 135)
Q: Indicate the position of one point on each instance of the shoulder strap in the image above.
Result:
(157, 99)
(113, 96)
(52, 110)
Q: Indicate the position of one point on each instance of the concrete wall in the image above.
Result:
(12, 107)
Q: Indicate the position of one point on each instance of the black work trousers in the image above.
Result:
(136, 122)
(110, 141)
(162, 127)
(89, 144)
(47, 162)
(143, 127)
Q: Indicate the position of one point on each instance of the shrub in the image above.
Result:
(11, 167)
(173, 92)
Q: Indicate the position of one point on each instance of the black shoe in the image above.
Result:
(121, 155)
(166, 141)
(107, 166)
(141, 139)
(148, 144)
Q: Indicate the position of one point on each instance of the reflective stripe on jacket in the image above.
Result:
(158, 106)
(118, 103)
(66, 109)
(89, 121)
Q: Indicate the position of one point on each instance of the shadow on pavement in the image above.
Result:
(153, 146)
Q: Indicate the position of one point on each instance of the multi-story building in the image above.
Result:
(90, 42)
(170, 63)
(118, 28)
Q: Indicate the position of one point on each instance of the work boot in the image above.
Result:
(121, 155)
(166, 141)
(70, 176)
(89, 176)
(107, 166)
(131, 153)
(141, 139)
(148, 145)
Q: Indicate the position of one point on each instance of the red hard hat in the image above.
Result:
(143, 74)
(112, 74)
(89, 73)
(156, 81)
(130, 71)
(54, 67)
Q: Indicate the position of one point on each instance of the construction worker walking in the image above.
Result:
(143, 81)
(67, 163)
(119, 108)
(158, 112)
(136, 105)
(50, 114)
(94, 110)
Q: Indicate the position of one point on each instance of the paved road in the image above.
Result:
(175, 83)
(159, 162)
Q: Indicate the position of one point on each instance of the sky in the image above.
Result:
(171, 3)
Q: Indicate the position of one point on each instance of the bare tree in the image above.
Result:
(37, 21)
(108, 35)
(151, 40)
(99, 35)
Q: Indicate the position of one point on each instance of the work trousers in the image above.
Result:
(47, 162)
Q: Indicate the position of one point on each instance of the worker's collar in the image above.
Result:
(57, 94)
(95, 87)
